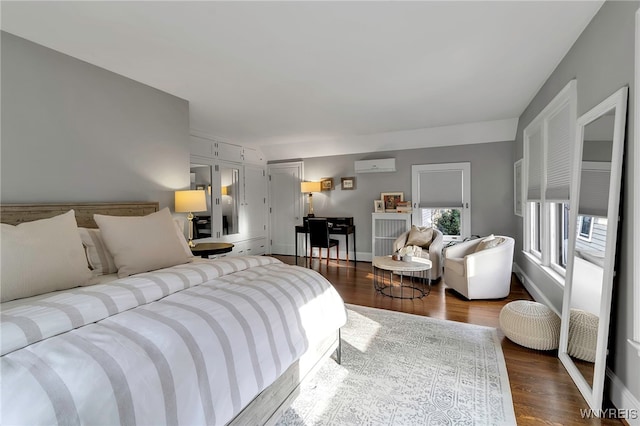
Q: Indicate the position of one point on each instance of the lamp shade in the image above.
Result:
(191, 201)
(310, 187)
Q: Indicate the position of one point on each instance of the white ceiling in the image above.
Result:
(345, 76)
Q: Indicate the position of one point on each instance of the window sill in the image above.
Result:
(448, 239)
(556, 277)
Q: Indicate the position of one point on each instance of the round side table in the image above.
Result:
(204, 250)
(411, 277)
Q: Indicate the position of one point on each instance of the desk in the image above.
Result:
(339, 226)
(204, 250)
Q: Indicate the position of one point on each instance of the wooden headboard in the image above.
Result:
(14, 214)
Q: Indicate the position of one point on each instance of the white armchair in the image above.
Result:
(433, 252)
(484, 274)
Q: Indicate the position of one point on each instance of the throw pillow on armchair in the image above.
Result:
(420, 236)
(430, 240)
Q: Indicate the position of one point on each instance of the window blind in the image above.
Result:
(441, 188)
(534, 165)
(558, 155)
(594, 189)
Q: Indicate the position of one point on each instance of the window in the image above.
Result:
(446, 220)
(591, 235)
(560, 236)
(535, 228)
(548, 142)
(585, 227)
(441, 194)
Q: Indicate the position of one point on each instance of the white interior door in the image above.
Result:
(285, 205)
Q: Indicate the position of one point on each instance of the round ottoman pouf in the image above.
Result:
(530, 324)
(583, 335)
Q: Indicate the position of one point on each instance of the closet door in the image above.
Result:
(254, 202)
(230, 202)
(205, 175)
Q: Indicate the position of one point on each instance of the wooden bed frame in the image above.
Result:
(271, 403)
(14, 214)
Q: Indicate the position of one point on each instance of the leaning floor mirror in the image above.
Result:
(593, 225)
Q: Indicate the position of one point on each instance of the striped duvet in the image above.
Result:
(192, 344)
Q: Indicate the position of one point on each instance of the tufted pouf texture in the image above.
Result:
(530, 324)
(583, 335)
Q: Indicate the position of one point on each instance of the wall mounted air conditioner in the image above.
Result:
(375, 166)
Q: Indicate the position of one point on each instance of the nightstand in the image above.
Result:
(205, 250)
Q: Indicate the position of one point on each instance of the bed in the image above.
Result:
(222, 341)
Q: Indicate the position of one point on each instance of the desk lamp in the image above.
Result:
(188, 202)
(309, 187)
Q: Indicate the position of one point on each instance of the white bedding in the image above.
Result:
(191, 344)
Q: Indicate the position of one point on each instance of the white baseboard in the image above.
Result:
(365, 257)
(626, 403)
(533, 289)
(619, 395)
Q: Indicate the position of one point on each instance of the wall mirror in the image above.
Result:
(230, 191)
(593, 224)
(201, 179)
(222, 184)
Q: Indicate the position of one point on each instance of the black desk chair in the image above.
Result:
(319, 237)
(225, 225)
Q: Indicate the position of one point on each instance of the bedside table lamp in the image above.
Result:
(309, 187)
(189, 202)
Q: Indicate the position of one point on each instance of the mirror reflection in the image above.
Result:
(230, 190)
(201, 179)
(222, 185)
(590, 244)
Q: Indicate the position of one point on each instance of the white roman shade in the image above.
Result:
(534, 164)
(548, 141)
(558, 154)
(594, 189)
(441, 188)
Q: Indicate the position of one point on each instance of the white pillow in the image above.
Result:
(99, 258)
(142, 243)
(419, 236)
(41, 256)
(183, 240)
(489, 242)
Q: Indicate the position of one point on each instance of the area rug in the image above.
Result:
(401, 369)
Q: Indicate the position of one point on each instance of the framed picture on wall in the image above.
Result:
(517, 188)
(348, 182)
(390, 200)
(326, 184)
(378, 206)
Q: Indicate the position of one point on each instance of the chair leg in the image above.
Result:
(338, 253)
(328, 256)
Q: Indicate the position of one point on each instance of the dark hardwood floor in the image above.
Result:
(542, 390)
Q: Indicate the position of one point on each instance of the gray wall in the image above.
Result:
(75, 132)
(491, 185)
(602, 61)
